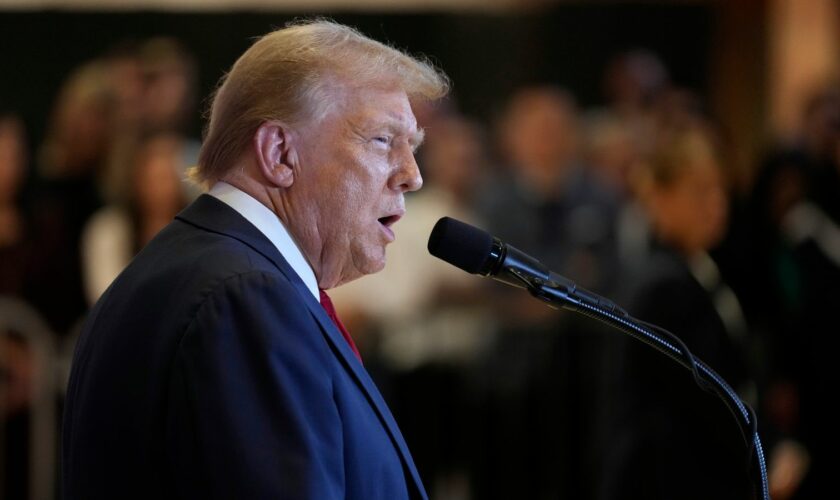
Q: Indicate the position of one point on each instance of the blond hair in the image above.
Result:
(286, 76)
(681, 148)
(677, 149)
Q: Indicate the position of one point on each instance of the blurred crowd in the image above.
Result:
(498, 395)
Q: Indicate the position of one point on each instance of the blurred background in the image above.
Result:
(681, 157)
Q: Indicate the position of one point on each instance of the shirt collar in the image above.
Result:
(271, 226)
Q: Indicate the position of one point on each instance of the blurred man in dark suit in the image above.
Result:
(209, 369)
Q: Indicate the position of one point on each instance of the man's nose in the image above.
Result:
(407, 177)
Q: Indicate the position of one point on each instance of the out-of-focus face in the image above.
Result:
(612, 153)
(167, 96)
(691, 212)
(452, 154)
(127, 82)
(83, 128)
(157, 187)
(541, 134)
(354, 166)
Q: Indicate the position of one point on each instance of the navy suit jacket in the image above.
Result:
(208, 370)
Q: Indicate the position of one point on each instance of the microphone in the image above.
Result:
(477, 252)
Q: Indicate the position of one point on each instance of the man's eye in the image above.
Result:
(382, 139)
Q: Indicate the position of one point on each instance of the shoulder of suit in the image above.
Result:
(220, 252)
(266, 305)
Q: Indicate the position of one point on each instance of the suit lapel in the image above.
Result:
(214, 215)
(354, 366)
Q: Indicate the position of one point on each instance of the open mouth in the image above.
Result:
(389, 220)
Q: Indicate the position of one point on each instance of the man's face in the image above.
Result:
(353, 167)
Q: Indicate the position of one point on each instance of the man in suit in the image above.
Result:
(209, 369)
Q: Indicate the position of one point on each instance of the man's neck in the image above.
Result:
(267, 221)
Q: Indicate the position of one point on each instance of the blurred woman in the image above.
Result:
(117, 232)
(669, 438)
(71, 162)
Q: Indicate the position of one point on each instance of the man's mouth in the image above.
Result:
(386, 222)
(389, 220)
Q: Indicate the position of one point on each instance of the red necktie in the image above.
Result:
(327, 304)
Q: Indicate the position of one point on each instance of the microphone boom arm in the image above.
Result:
(564, 293)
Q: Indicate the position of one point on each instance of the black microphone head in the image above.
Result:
(460, 244)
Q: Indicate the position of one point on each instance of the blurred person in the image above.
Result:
(673, 108)
(610, 152)
(793, 240)
(820, 139)
(114, 234)
(170, 73)
(541, 136)
(155, 82)
(124, 78)
(215, 366)
(547, 202)
(21, 260)
(170, 77)
(72, 160)
(25, 250)
(15, 356)
(669, 438)
(454, 160)
(677, 107)
(125, 74)
(612, 155)
(633, 83)
(80, 124)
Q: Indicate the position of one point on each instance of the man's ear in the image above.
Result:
(273, 149)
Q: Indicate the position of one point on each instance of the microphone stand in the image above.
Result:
(561, 292)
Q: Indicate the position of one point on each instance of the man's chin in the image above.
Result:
(374, 266)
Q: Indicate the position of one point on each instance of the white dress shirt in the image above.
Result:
(270, 225)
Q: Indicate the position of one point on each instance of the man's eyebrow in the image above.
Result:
(417, 138)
